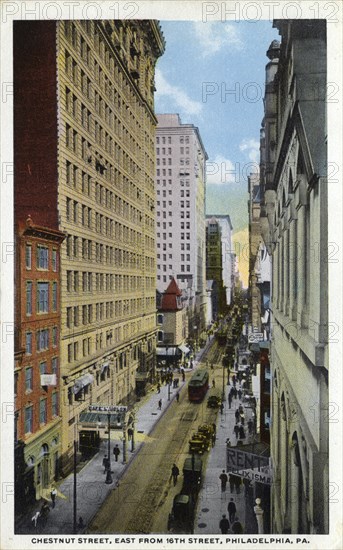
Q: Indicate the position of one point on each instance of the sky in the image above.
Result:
(212, 73)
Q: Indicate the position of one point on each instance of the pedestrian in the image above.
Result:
(250, 426)
(174, 473)
(242, 418)
(224, 525)
(237, 527)
(178, 397)
(212, 366)
(230, 399)
(116, 452)
(80, 525)
(223, 480)
(213, 383)
(105, 463)
(35, 518)
(231, 482)
(239, 393)
(160, 404)
(241, 432)
(53, 495)
(234, 381)
(236, 430)
(158, 388)
(235, 393)
(221, 408)
(44, 512)
(213, 439)
(237, 415)
(237, 481)
(240, 408)
(231, 508)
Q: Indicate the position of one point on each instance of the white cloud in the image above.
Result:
(252, 149)
(214, 35)
(221, 170)
(177, 96)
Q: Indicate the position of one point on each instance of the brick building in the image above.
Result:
(37, 360)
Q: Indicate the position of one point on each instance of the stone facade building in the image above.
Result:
(294, 218)
(181, 229)
(86, 88)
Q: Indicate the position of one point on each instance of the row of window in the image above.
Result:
(105, 282)
(164, 139)
(170, 236)
(77, 212)
(106, 254)
(42, 257)
(44, 303)
(42, 339)
(43, 412)
(43, 369)
(104, 340)
(106, 310)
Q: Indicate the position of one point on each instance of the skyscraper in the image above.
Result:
(181, 226)
(84, 128)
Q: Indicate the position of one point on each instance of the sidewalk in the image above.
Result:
(212, 503)
(91, 487)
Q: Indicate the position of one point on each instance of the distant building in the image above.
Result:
(37, 360)
(180, 210)
(294, 219)
(219, 257)
(172, 325)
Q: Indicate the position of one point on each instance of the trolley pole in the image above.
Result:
(109, 473)
(75, 489)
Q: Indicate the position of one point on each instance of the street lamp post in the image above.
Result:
(109, 473)
(75, 488)
(124, 444)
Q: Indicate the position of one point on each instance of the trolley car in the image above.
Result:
(198, 385)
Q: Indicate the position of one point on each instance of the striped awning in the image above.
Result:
(184, 348)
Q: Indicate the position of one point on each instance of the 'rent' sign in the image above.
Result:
(249, 466)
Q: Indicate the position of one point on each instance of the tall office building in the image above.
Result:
(84, 128)
(225, 235)
(181, 226)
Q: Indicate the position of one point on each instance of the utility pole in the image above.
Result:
(75, 488)
(109, 473)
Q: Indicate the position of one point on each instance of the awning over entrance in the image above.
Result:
(170, 351)
(104, 366)
(82, 382)
(184, 348)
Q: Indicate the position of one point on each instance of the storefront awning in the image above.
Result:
(82, 382)
(170, 351)
(184, 348)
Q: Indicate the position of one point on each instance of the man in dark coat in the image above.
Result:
(231, 508)
(174, 473)
(116, 452)
(224, 525)
(223, 479)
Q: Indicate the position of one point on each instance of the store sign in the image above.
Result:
(48, 380)
(107, 408)
(263, 476)
(249, 466)
(255, 338)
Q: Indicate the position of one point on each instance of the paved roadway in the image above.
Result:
(143, 500)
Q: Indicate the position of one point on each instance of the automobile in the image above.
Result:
(214, 402)
(198, 443)
(192, 475)
(181, 517)
(207, 431)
